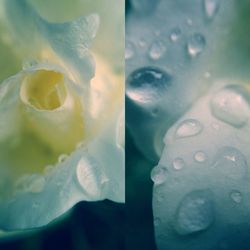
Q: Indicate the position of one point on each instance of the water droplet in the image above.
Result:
(157, 50)
(147, 84)
(189, 22)
(200, 156)
(159, 174)
(144, 6)
(230, 162)
(189, 127)
(129, 50)
(215, 126)
(35, 205)
(207, 74)
(30, 183)
(236, 196)
(157, 222)
(178, 164)
(229, 105)
(90, 177)
(62, 158)
(81, 145)
(195, 212)
(49, 169)
(196, 44)
(142, 43)
(157, 33)
(211, 8)
(175, 34)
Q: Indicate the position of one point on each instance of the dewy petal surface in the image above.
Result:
(61, 120)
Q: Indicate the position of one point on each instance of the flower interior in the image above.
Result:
(48, 123)
(45, 90)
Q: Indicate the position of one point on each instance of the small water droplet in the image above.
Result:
(229, 105)
(48, 169)
(178, 164)
(175, 34)
(236, 196)
(157, 33)
(207, 74)
(144, 6)
(147, 84)
(195, 212)
(157, 50)
(196, 44)
(157, 222)
(211, 8)
(189, 127)
(142, 43)
(215, 126)
(129, 50)
(30, 183)
(159, 174)
(62, 158)
(189, 22)
(200, 156)
(35, 205)
(81, 145)
(230, 162)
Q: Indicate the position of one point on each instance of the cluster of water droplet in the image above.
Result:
(174, 48)
(204, 172)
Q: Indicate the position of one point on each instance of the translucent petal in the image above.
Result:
(210, 193)
(69, 40)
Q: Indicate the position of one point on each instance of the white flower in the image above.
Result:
(61, 129)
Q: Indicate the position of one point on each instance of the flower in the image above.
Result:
(61, 131)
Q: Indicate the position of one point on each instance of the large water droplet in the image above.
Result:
(175, 34)
(236, 196)
(178, 163)
(90, 177)
(195, 212)
(189, 127)
(129, 50)
(196, 44)
(159, 174)
(229, 105)
(200, 156)
(230, 162)
(211, 8)
(157, 50)
(147, 84)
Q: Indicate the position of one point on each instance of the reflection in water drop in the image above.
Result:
(178, 164)
(147, 84)
(211, 8)
(200, 156)
(175, 34)
(195, 212)
(196, 44)
(189, 127)
(157, 50)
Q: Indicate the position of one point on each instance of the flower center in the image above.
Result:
(45, 90)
